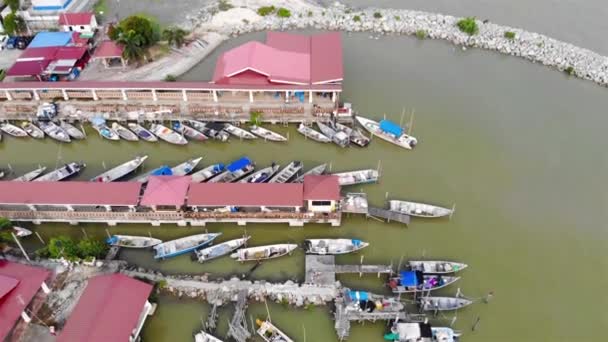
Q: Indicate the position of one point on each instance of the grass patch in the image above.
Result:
(509, 35)
(255, 118)
(170, 78)
(421, 34)
(224, 5)
(357, 18)
(161, 284)
(397, 18)
(100, 7)
(468, 26)
(309, 14)
(377, 15)
(283, 13)
(266, 10)
(569, 70)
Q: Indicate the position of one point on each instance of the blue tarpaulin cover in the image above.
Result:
(49, 39)
(218, 167)
(239, 164)
(356, 242)
(391, 127)
(357, 295)
(162, 171)
(408, 278)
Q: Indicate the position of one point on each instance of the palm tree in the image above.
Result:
(175, 36)
(133, 45)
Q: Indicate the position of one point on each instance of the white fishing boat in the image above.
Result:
(436, 266)
(184, 245)
(130, 241)
(13, 130)
(235, 171)
(120, 170)
(238, 132)
(266, 134)
(416, 281)
(72, 131)
(333, 246)
(123, 132)
(32, 130)
(261, 176)
(28, 177)
(167, 134)
(270, 333)
(263, 252)
(1, 173)
(419, 209)
(312, 134)
(356, 136)
(220, 249)
(287, 173)
(357, 177)
(142, 133)
(420, 332)
(188, 131)
(182, 169)
(61, 173)
(21, 232)
(207, 173)
(317, 170)
(388, 131)
(338, 137)
(54, 131)
(443, 303)
(203, 336)
(213, 130)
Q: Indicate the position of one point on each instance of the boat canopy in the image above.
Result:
(98, 121)
(391, 127)
(163, 171)
(410, 278)
(357, 295)
(112, 240)
(218, 167)
(239, 164)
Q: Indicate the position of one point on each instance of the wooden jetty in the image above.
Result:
(322, 269)
(237, 328)
(388, 215)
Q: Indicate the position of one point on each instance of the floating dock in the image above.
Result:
(388, 215)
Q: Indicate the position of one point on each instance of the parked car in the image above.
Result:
(23, 42)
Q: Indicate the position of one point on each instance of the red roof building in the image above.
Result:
(108, 49)
(76, 19)
(321, 187)
(166, 191)
(245, 195)
(112, 307)
(19, 283)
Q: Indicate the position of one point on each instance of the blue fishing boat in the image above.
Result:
(99, 124)
(184, 245)
(235, 171)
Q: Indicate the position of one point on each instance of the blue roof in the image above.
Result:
(162, 171)
(408, 278)
(48, 39)
(391, 127)
(238, 164)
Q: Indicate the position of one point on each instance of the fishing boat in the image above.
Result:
(443, 303)
(123, 132)
(420, 332)
(235, 171)
(184, 245)
(317, 170)
(388, 131)
(263, 252)
(130, 241)
(28, 177)
(219, 250)
(357, 177)
(188, 131)
(416, 281)
(104, 131)
(287, 173)
(21, 232)
(356, 136)
(436, 266)
(178, 170)
(61, 173)
(203, 336)
(338, 137)
(72, 131)
(262, 175)
(13, 130)
(211, 129)
(120, 170)
(419, 209)
(54, 131)
(333, 246)
(32, 130)
(167, 134)
(142, 133)
(270, 333)
(266, 134)
(238, 132)
(207, 173)
(312, 134)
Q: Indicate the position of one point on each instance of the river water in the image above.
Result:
(519, 149)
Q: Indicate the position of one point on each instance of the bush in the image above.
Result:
(468, 26)
(224, 5)
(64, 246)
(397, 18)
(266, 10)
(89, 249)
(170, 78)
(14, 24)
(145, 28)
(357, 18)
(569, 70)
(421, 34)
(283, 13)
(377, 15)
(255, 117)
(310, 13)
(12, 4)
(510, 35)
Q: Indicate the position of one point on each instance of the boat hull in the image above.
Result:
(164, 250)
(373, 127)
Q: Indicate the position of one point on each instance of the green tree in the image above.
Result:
(283, 13)
(175, 36)
(14, 24)
(12, 4)
(133, 45)
(88, 248)
(468, 26)
(266, 10)
(144, 27)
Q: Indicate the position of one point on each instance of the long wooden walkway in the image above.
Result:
(388, 215)
(322, 269)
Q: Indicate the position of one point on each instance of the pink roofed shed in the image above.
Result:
(245, 194)
(166, 191)
(321, 187)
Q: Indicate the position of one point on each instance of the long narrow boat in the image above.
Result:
(142, 133)
(357, 177)
(238, 132)
(184, 245)
(388, 131)
(167, 134)
(120, 170)
(235, 171)
(419, 209)
(178, 170)
(207, 173)
(30, 176)
(312, 134)
(211, 129)
(61, 173)
(54, 131)
(262, 175)
(220, 249)
(338, 137)
(266, 134)
(123, 132)
(188, 131)
(21, 232)
(130, 241)
(287, 173)
(13, 130)
(72, 131)
(270, 333)
(32, 130)
(416, 281)
(263, 252)
(317, 170)
(356, 136)
(443, 303)
(333, 246)
(106, 132)
(436, 266)
(203, 336)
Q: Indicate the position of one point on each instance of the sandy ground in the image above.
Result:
(8, 57)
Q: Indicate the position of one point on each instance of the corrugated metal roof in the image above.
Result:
(166, 190)
(108, 49)
(75, 18)
(47, 39)
(321, 187)
(246, 194)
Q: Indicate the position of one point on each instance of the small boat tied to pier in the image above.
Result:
(338, 137)
(32, 130)
(287, 173)
(54, 131)
(188, 131)
(220, 249)
(213, 130)
(184, 245)
(72, 131)
(315, 171)
(356, 136)
(124, 133)
(419, 209)
(13, 130)
(235, 171)
(261, 176)
(436, 266)
(333, 246)
(207, 173)
(388, 131)
(312, 134)
(238, 132)
(204, 336)
(99, 124)
(416, 281)
(30, 176)
(179, 170)
(357, 177)
(266, 134)
(142, 132)
(168, 135)
(263, 252)
(61, 173)
(270, 333)
(129, 241)
(420, 332)
(443, 303)
(21, 232)
(121, 170)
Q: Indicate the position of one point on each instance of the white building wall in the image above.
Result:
(140, 323)
(321, 208)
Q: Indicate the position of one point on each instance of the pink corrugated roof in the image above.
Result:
(14, 302)
(166, 190)
(322, 187)
(70, 52)
(245, 194)
(108, 310)
(62, 193)
(288, 41)
(29, 68)
(75, 18)
(326, 58)
(108, 49)
(7, 284)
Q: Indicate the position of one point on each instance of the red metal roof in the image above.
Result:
(77, 193)
(108, 49)
(7, 284)
(70, 52)
(14, 302)
(108, 310)
(166, 190)
(34, 61)
(29, 68)
(75, 18)
(322, 187)
(245, 194)
(326, 58)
